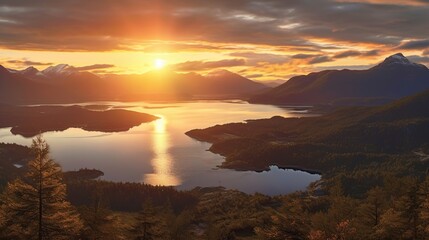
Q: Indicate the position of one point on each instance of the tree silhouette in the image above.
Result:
(35, 206)
(150, 224)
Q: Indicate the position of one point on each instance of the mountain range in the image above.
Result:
(393, 78)
(64, 83)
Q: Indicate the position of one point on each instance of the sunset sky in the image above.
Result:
(259, 39)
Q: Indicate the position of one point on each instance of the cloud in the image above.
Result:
(168, 46)
(417, 44)
(102, 25)
(25, 62)
(371, 53)
(94, 67)
(346, 54)
(320, 59)
(426, 52)
(201, 65)
(352, 53)
(257, 75)
(255, 58)
(392, 2)
(419, 59)
(303, 56)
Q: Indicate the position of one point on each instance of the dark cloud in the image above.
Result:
(254, 58)
(25, 62)
(419, 59)
(320, 59)
(418, 44)
(201, 65)
(303, 56)
(352, 53)
(346, 54)
(94, 67)
(180, 47)
(371, 53)
(101, 25)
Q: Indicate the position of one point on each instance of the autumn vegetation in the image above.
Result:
(381, 201)
(374, 185)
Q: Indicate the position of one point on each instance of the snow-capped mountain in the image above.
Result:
(398, 60)
(59, 70)
(393, 78)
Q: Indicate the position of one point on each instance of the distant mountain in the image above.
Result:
(273, 83)
(64, 83)
(59, 70)
(223, 82)
(394, 78)
(169, 84)
(15, 87)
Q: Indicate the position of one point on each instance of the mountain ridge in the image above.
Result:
(393, 78)
(63, 83)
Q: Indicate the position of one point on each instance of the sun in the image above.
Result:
(159, 63)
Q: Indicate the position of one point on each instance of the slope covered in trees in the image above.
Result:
(344, 138)
(380, 200)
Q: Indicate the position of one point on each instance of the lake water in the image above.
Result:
(159, 152)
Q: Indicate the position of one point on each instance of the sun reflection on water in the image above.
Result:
(162, 161)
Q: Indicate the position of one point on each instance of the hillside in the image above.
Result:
(346, 137)
(394, 78)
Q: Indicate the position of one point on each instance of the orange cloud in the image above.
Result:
(209, 65)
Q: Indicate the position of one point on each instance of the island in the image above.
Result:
(29, 121)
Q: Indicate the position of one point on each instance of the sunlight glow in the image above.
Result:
(162, 161)
(159, 63)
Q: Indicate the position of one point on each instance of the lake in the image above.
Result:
(159, 153)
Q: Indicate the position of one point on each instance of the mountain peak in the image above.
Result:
(220, 72)
(58, 69)
(30, 71)
(3, 70)
(397, 58)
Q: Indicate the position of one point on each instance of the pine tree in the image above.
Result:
(370, 211)
(35, 207)
(150, 225)
(424, 207)
(99, 221)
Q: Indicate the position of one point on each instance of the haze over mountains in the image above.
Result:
(394, 78)
(64, 83)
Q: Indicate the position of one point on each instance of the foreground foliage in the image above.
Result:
(35, 206)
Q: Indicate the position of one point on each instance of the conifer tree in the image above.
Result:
(150, 226)
(35, 206)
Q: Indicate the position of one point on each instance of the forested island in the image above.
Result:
(28, 121)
